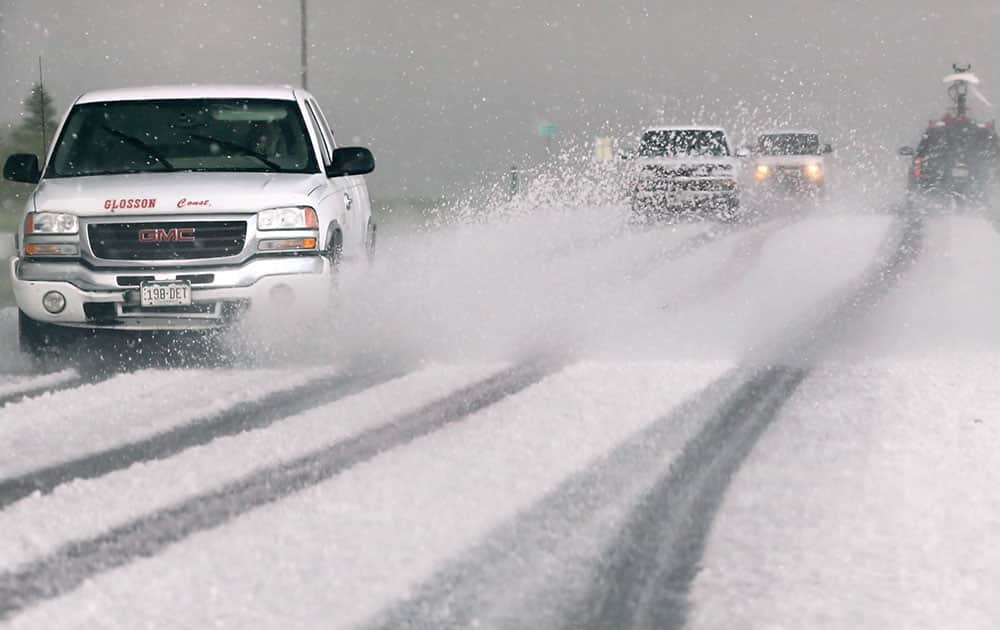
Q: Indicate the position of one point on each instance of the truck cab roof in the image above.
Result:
(170, 92)
(791, 132)
(684, 128)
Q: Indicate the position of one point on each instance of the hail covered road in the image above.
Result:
(556, 420)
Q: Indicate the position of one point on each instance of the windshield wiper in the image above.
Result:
(140, 145)
(232, 146)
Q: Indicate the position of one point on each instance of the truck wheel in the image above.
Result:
(44, 342)
(336, 248)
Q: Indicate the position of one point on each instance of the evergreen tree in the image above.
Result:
(38, 108)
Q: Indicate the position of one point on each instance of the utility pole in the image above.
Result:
(304, 61)
(41, 100)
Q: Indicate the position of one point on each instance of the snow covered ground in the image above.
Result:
(846, 513)
(375, 531)
(56, 427)
(871, 502)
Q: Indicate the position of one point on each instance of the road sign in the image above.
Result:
(548, 129)
(603, 151)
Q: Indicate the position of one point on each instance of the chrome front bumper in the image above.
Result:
(109, 298)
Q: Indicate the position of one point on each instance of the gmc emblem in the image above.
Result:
(160, 235)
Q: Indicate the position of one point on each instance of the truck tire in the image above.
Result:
(44, 342)
(336, 248)
(371, 241)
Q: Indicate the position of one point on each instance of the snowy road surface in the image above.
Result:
(791, 423)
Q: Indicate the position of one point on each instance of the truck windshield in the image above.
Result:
(183, 135)
(788, 144)
(683, 142)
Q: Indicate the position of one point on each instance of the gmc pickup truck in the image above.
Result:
(181, 208)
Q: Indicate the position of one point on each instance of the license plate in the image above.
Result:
(170, 293)
(960, 172)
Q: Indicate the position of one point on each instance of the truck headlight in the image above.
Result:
(814, 171)
(51, 223)
(300, 218)
(762, 171)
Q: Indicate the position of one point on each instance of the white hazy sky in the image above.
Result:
(447, 92)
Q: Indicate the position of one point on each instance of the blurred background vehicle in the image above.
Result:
(684, 170)
(957, 156)
(790, 162)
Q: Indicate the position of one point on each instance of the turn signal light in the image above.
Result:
(51, 249)
(287, 244)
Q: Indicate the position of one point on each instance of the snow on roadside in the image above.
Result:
(40, 523)
(338, 552)
(950, 302)
(53, 428)
(15, 384)
(871, 503)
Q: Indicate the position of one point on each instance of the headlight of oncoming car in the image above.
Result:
(301, 218)
(51, 223)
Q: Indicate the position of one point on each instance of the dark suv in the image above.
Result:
(956, 158)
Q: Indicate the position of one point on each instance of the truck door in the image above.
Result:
(360, 210)
(340, 188)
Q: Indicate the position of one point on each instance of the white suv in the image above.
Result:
(182, 207)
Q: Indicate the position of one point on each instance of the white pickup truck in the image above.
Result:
(684, 170)
(181, 208)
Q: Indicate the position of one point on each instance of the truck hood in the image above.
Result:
(170, 193)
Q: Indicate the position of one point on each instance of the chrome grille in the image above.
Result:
(208, 239)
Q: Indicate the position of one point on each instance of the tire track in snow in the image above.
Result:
(744, 257)
(30, 387)
(646, 573)
(75, 562)
(650, 554)
(714, 234)
(241, 417)
(649, 262)
(655, 557)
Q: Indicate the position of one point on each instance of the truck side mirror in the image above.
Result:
(742, 152)
(826, 149)
(907, 151)
(22, 167)
(351, 161)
